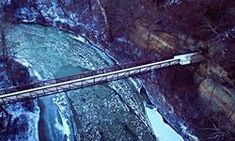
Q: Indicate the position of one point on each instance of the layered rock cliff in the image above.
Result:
(201, 95)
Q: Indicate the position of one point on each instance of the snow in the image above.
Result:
(79, 38)
(32, 120)
(184, 129)
(162, 130)
(173, 2)
(64, 128)
(122, 39)
(51, 60)
(136, 82)
(32, 117)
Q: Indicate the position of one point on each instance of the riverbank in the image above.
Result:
(24, 115)
(135, 30)
(117, 103)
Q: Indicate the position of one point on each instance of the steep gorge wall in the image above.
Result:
(106, 22)
(211, 85)
(77, 16)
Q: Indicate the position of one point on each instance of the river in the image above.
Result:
(103, 112)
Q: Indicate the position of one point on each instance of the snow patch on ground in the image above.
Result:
(136, 82)
(59, 100)
(184, 129)
(17, 110)
(162, 130)
(79, 38)
(64, 127)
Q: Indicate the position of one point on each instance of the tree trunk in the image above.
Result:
(5, 57)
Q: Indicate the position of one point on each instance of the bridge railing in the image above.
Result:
(53, 86)
(76, 76)
(82, 80)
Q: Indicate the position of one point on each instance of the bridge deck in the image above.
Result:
(54, 86)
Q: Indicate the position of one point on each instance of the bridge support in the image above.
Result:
(190, 58)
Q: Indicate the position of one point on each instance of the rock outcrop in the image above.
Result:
(176, 92)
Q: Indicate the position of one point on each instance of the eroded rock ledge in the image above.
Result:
(202, 95)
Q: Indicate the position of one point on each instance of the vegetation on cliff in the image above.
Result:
(185, 26)
(136, 29)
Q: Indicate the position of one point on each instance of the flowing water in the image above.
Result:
(103, 112)
(50, 53)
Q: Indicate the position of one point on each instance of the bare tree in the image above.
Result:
(4, 50)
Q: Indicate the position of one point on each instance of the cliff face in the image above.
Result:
(196, 92)
(218, 98)
(202, 95)
(78, 16)
(163, 42)
(102, 112)
(216, 89)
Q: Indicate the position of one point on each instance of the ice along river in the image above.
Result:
(103, 112)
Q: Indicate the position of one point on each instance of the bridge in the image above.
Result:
(54, 86)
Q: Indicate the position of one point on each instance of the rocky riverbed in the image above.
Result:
(102, 112)
(105, 23)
